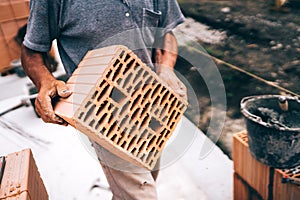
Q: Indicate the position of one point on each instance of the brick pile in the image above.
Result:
(21, 179)
(122, 104)
(254, 180)
(13, 16)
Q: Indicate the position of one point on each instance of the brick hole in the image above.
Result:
(89, 112)
(143, 145)
(128, 66)
(150, 156)
(81, 115)
(145, 121)
(143, 156)
(151, 163)
(143, 134)
(147, 94)
(126, 57)
(111, 118)
(112, 128)
(161, 143)
(136, 66)
(94, 95)
(117, 95)
(172, 105)
(134, 151)
(114, 137)
(171, 118)
(117, 72)
(123, 145)
(122, 123)
(156, 153)
(108, 74)
(138, 75)
(154, 125)
(171, 97)
(132, 143)
(145, 110)
(87, 104)
(101, 120)
(127, 80)
(116, 62)
(157, 100)
(167, 133)
(137, 86)
(172, 125)
(136, 101)
(101, 107)
(152, 141)
(97, 125)
(124, 108)
(135, 114)
(91, 124)
(121, 54)
(166, 106)
(103, 92)
(155, 91)
(146, 74)
(177, 115)
(102, 84)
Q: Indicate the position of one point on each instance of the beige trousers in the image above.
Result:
(127, 181)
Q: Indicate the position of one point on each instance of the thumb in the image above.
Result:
(62, 89)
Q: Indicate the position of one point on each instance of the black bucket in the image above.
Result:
(273, 134)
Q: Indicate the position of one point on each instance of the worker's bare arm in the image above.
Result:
(48, 87)
(166, 57)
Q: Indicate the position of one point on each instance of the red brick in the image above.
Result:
(129, 111)
(21, 178)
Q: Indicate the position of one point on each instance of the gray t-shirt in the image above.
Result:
(82, 25)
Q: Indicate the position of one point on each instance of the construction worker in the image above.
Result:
(79, 26)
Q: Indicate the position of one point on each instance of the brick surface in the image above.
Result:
(21, 179)
(242, 191)
(257, 175)
(120, 102)
(13, 16)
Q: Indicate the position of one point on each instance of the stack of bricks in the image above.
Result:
(120, 103)
(13, 16)
(21, 179)
(254, 180)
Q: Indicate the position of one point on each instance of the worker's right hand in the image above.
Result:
(43, 102)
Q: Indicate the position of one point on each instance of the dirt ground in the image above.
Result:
(261, 40)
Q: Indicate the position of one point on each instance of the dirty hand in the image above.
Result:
(168, 75)
(43, 102)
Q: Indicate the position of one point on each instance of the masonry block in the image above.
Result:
(21, 179)
(246, 166)
(122, 104)
(13, 16)
(269, 183)
(242, 191)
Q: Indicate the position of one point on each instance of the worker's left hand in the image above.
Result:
(168, 75)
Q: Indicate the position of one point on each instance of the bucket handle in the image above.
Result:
(246, 112)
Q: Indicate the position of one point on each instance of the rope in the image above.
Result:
(234, 67)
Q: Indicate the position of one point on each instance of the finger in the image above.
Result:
(182, 90)
(62, 89)
(45, 110)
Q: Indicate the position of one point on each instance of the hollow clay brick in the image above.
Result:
(127, 109)
(13, 16)
(21, 179)
(257, 175)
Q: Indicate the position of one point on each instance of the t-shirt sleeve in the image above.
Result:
(42, 26)
(171, 16)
